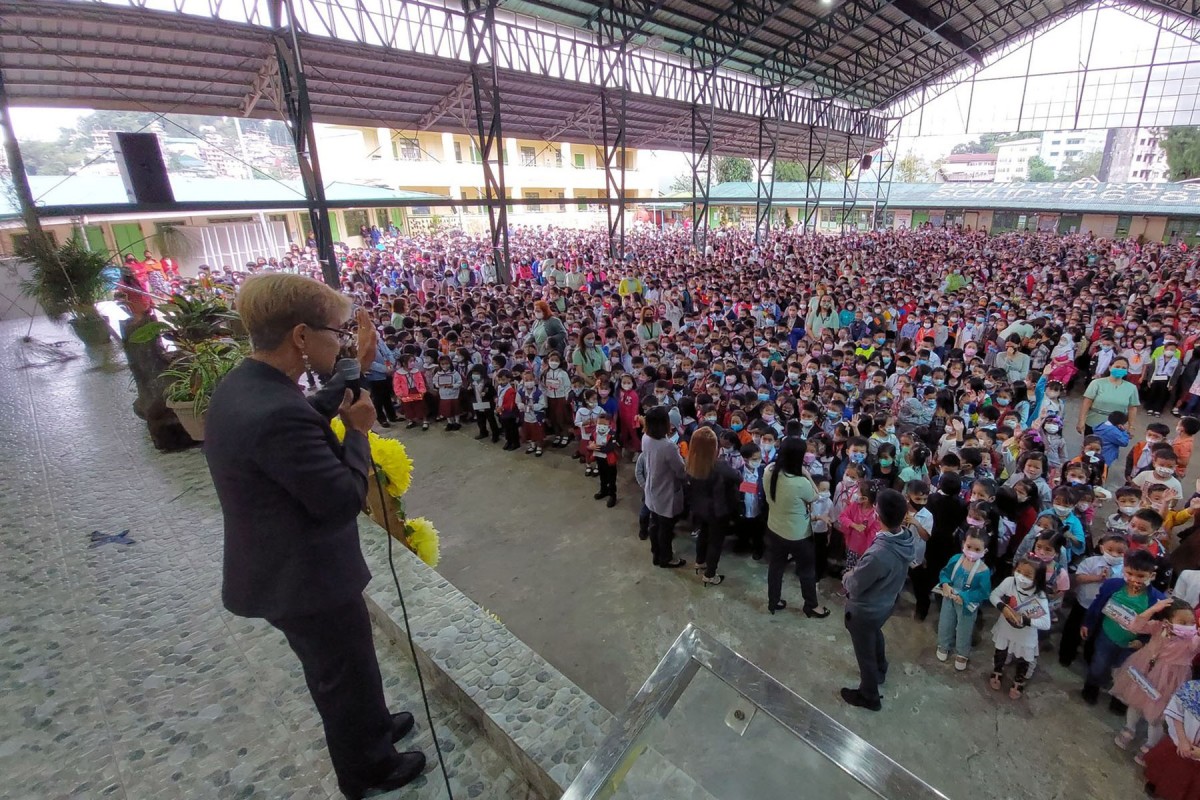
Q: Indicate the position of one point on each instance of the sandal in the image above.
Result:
(1017, 690)
(996, 681)
(1124, 738)
(716, 580)
(1140, 758)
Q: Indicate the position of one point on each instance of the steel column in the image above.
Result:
(768, 145)
(485, 90)
(701, 163)
(614, 93)
(16, 166)
(298, 113)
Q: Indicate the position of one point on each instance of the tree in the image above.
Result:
(61, 157)
(962, 148)
(911, 168)
(790, 172)
(682, 183)
(1182, 146)
(729, 168)
(1076, 168)
(1039, 171)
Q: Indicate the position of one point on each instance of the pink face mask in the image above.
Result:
(971, 555)
(1184, 631)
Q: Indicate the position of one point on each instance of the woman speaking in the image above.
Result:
(290, 495)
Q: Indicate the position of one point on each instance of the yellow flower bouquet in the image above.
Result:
(394, 468)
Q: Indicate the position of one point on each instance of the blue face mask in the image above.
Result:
(1118, 373)
(764, 396)
(737, 426)
(858, 458)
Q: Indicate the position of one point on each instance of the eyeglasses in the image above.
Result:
(343, 334)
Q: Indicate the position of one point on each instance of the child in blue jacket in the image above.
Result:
(1109, 618)
(965, 583)
(1113, 434)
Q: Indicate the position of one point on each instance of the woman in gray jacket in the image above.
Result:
(660, 473)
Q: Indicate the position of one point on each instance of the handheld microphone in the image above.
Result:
(351, 374)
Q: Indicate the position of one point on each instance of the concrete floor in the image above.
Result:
(523, 537)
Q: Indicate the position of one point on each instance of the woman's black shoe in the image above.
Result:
(813, 613)
(782, 604)
(676, 564)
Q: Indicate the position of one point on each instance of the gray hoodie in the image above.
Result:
(876, 581)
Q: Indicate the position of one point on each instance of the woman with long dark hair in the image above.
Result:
(789, 493)
(711, 487)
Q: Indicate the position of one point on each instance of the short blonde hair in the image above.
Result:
(271, 305)
(702, 453)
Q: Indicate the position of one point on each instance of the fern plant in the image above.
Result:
(67, 280)
(187, 321)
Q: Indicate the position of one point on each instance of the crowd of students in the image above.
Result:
(933, 362)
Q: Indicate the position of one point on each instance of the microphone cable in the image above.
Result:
(387, 524)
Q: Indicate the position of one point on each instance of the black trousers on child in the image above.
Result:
(1068, 645)
(1000, 658)
(750, 533)
(608, 475)
(1156, 395)
(381, 398)
(486, 420)
(512, 432)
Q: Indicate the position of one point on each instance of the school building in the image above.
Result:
(1155, 211)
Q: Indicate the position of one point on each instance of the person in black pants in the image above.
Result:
(482, 396)
(608, 454)
(290, 495)
(382, 400)
(872, 589)
(949, 514)
(789, 493)
(711, 488)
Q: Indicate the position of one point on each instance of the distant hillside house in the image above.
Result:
(967, 168)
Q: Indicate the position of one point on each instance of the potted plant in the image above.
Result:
(68, 281)
(193, 377)
(185, 322)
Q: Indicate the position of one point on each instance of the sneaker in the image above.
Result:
(942, 655)
(960, 664)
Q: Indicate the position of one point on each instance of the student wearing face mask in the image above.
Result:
(1110, 619)
(1142, 452)
(1152, 675)
(965, 584)
(1089, 574)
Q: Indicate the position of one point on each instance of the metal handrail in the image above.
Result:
(695, 650)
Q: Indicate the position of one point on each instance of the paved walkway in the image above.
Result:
(122, 676)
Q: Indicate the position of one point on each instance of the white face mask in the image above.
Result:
(1023, 582)
(1127, 510)
(1112, 561)
(601, 429)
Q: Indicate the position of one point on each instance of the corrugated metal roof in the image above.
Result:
(101, 55)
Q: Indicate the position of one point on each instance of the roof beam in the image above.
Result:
(733, 28)
(453, 99)
(939, 27)
(266, 81)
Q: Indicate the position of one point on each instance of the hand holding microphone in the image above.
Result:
(356, 410)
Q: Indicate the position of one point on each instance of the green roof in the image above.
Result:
(107, 190)
(1088, 197)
